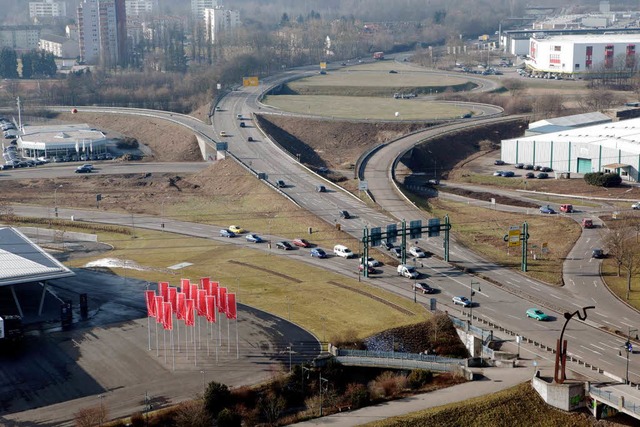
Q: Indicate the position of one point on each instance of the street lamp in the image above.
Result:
(289, 349)
(55, 199)
(629, 348)
(320, 384)
(414, 280)
(471, 300)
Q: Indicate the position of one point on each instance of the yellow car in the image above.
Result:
(236, 229)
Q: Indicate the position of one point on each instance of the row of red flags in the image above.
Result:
(203, 298)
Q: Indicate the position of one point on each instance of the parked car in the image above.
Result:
(254, 238)
(546, 169)
(536, 313)
(236, 229)
(597, 253)
(301, 243)
(498, 173)
(218, 109)
(508, 174)
(542, 175)
(463, 301)
(372, 262)
(567, 208)
(321, 189)
(345, 215)
(239, 116)
(408, 271)
(423, 287)
(223, 133)
(635, 206)
(397, 251)
(587, 223)
(530, 175)
(242, 125)
(547, 210)
(519, 166)
(83, 169)
(227, 233)
(280, 184)
(319, 253)
(537, 167)
(499, 162)
(528, 167)
(417, 252)
(388, 245)
(284, 245)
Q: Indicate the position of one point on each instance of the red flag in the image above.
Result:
(211, 308)
(232, 309)
(201, 302)
(222, 300)
(189, 318)
(150, 296)
(181, 305)
(186, 287)
(193, 293)
(204, 282)
(163, 290)
(168, 317)
(159, 310)
(172, 298)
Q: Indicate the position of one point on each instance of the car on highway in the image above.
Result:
(397, 251)
(253, 238)
(223, 133)
(635, 206)
(566, 208)
(597, 253)
(417, 252)
(587, 223)
(343, 251)
(280, 184)
(301, 243)
(372, 262)
(423, 287)
(321, 189)
(250, 139)
(463, 301)
(236, 229)
(408, 271)
(345, 214)
(370, 269)
(239, 116)
(83, 169)
(284, 245)
(243, 125)
(318, 253)
(547, 210)
(536, 313)
(227, 233)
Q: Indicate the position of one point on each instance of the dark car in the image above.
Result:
(528, 167)
(250, 139)
(388, 246)
(537, 168)
(547, 210)
(507, 174)
(597, 253)
(242, 124)
(423, 287)
(321, 189)
(280, 184)
(226, 233)
(499, 162)
(519, 166)
(543, 175)
(345, 215)
(83, 169)
(319, 253)
(530, 175)
(546, 169)
(397, 251)
(285, 246)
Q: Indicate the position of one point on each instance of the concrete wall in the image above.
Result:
(567, 396)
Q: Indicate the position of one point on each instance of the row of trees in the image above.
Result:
(36, 63)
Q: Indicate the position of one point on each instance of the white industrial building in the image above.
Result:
(608, 147)
(576, 54)
(219, 20)
(62, 142)
(47, 9)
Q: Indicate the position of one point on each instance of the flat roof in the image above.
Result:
(61, 133)
(586, 38)
(22, 261)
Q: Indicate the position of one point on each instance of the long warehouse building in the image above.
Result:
(608, 147)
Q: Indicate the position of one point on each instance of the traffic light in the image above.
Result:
(628, 346)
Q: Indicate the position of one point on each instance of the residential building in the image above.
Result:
(47, 9)
(20, 37)
(102, 27)
(141, 7)
(220, 20)
(59, 46)
(198, 7)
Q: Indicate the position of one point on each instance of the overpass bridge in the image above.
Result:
(621, 397)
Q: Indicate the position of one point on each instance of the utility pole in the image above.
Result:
(326, 381)
(628, 348)
(471, 305)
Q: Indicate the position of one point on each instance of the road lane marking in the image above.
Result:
(599, 348)
(596, 352)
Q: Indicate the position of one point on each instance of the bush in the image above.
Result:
(216, 398)
(418, 378)
(356, 395)
(601, 179)
(228, 418)
(387, 384)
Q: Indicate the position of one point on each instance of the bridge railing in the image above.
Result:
(614, 400)
(399, 363)
(398, 356)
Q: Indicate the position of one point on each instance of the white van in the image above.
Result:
(343, 251)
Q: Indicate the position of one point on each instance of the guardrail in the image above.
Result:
(397, 363)
(397, 356)
(613, 400)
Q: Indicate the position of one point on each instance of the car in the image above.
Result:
(393, 72)
(635, 206)
(250, 139)
(408, 271)
(547, 210)
(388, 245)
(499, 162)
(323, 72)
(587, 223)
(370, 269)
(318, 253)
(537, 168)
(528, 167)
(223, 133)
(508, 174)
(236, 229)
(343, 251)
(372, 262)
(108, 156)
(284, 245)
(466, 116)
(239, 116)
(536, 313)
(542, 175)
(83, 169)
(530, 175)
(243, 125)
(345, 215)
(397, 251)
(218, 109)
(597, 253)
(567, 208)
(417, 252)
(6, 166)
(546, 169)
(301, 243)
(227, 233)
(321, 189)
(498, 173)
(519, 166)
(280, 184)
(88, 166)
(463, 301)
(423, 287)
(253, 238)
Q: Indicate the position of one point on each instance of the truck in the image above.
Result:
(378, 55)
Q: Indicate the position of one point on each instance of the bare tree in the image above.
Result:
(615, 243)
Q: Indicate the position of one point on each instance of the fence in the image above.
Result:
(614, 400)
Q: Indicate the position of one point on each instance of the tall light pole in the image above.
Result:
(55, 200)
(414, 281)
(471, 305)
(320, 384)
(629, 348)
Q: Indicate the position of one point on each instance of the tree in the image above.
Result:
(8, 63)
(271, 406)
(616, 243)
(216, 397)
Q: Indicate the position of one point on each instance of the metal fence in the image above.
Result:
(380, 362)
(398, 356)
(614, 400)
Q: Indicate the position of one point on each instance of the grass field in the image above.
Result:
(325, 303)
(514, 407)
(364, 107)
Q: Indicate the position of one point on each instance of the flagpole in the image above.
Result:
(208, 341)
(173, 352)
(157, 350)
(195, 348)
(178, 328)
(237, 344)
(149, 330)
(164, 346)
(228, 337)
